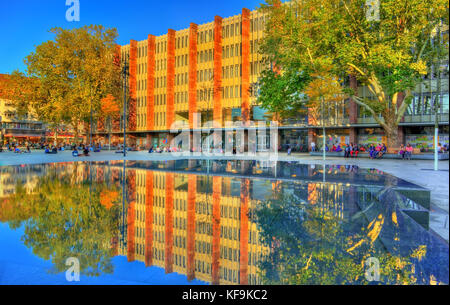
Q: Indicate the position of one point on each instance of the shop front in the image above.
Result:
(296, 139)
(422, 137)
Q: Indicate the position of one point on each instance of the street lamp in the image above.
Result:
(324, 131)
(1, 132)
(125, 74)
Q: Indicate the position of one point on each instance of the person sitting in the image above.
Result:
(409, 150)
(381, 151)
(54, 150)
(75, 152)
(376, 150)
(17, 150)
(338, 148)
(402, 151)
(86, 152)
(333, 148)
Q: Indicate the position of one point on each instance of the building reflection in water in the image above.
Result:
(207, 227)
(199, 226)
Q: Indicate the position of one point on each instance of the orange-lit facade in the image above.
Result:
(209, 69)
(213, 69)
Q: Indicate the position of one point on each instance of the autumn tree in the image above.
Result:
(68, 77)
(110, 110)
(387, 52)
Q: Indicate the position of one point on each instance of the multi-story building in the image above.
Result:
(15, 127)
(213, 69)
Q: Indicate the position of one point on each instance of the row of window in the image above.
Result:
(202, 57)
(232, 51)
(161, 64)
(201, 266)
(208, 55)
(181, 60)
(257, 24)
(231, 30)
(181, 97)
(234, 29)
(205, 75)
(161, 82)
(181, 79)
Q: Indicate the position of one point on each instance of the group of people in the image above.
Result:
(81, 151)
(16, 149)
(351, 151)
(165, 149)
(378, 151)
(406, 152)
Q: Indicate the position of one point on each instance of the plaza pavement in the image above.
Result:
(419, 172)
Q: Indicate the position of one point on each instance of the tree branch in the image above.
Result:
(402, 108)
(360, 102)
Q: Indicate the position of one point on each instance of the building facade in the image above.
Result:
(15, 128)
(213, 69)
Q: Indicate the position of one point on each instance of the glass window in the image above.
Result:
(445, 104)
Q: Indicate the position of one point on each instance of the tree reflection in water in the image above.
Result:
(68, 215)
(310, 245)
(309, 232)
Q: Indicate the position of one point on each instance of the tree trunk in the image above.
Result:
(393, 141)
(55, 140)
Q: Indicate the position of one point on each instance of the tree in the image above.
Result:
(281, 93)
(311, 245)
(387, 54)
(110, 109)
(67, 78)
(64, 217)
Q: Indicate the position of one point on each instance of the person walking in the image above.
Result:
(313, 146)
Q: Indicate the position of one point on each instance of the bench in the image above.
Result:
(396, 150)
(414, 156)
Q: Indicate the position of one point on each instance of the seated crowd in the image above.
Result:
(375, 151)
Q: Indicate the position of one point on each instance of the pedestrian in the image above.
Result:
(313, 146)
(347, 151)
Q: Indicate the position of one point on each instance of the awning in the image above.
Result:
(22, 136)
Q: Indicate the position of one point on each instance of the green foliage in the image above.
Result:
(281, 92)
(311, 246)
(69, 76)
(65, 220)
(389, 55)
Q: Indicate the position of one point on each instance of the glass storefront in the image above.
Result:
(423, 137)
(294, 138)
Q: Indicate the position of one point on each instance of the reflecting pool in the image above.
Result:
(215, 222)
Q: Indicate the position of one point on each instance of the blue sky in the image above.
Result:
(24, 24)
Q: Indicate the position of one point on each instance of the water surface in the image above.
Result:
(214, 222)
